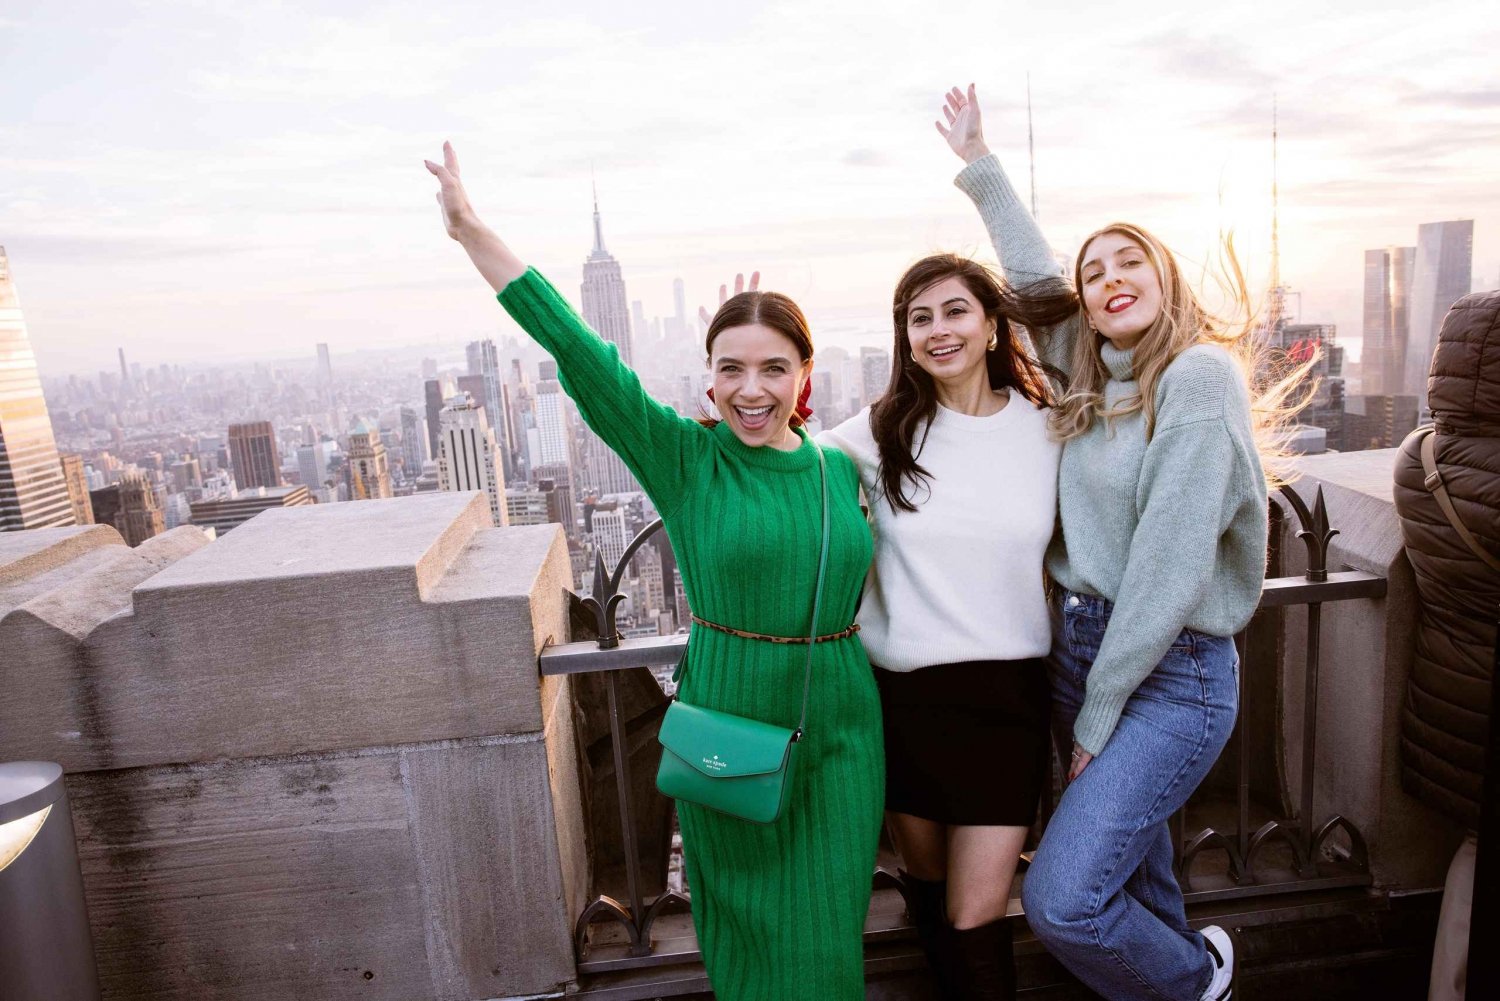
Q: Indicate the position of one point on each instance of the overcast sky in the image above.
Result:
(233, 179)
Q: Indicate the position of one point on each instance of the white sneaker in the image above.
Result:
(1221, 950)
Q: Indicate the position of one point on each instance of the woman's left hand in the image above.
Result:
(1080, 761)
(964, 131)
(739, 286)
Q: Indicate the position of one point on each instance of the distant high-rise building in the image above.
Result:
(325, 366)
(413, 443)
(33, 490)
(605, 310)
(140, 515)
(467, 456)
(369, 465)
(225, 513)
(77, 480)
(484, 361)
(1443, 275)
(611, 534)
(604, 305)
(124, 373)
(433, 391)
(312, 468)
(1388, 278)
(875, 372)
(526, 506)
(254, 456)
(679, 302)
(554, 430)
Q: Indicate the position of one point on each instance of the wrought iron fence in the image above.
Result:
(1317, 860)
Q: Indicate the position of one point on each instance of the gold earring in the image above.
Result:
(913, 353)
(994, 341)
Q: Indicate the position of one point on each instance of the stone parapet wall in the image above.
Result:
(313, 758)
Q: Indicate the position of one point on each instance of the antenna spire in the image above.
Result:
(598, 227)
(1031, 146)
(1275, 201)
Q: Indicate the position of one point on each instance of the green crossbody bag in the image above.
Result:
(737, 766)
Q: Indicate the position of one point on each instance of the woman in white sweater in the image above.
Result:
(962, 482)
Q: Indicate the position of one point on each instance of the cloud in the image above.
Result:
(865, 157)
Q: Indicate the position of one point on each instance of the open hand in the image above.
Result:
(739, 286)
(964, 131)
(458, 214)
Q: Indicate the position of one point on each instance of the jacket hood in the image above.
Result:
(1463, 388)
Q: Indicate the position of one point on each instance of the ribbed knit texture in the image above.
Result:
(960, 578)
(779, 909)
(1174, 531)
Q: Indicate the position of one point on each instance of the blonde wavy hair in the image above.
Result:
(1278, 389)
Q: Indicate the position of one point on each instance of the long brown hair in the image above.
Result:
(769, 309)
(1279, 389)
(910, 400)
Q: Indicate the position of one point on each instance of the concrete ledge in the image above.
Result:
(307, 629)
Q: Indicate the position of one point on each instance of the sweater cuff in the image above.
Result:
(1097, 719)
(984, 181)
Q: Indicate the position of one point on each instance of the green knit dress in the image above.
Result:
(779, 908)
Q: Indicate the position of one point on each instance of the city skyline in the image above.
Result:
(274, 200)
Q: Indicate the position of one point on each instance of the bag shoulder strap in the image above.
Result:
(817, 606)
(812, 628)
(1439, 490)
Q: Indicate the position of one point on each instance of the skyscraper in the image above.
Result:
(875, 372)
(605, 309)
(467, 456)
(1443, 273)
(33, 492)
(78, 489)
(604, 306)
(140, 516)
(325, 367)
(312, 467)
(433, 390)
(413, 443)
(1388, 277)
(253, 455)
(369, 465)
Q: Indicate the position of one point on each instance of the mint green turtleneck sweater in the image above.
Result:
(1171, 530)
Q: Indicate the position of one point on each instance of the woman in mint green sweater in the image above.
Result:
(779, 908)
(1159, 555)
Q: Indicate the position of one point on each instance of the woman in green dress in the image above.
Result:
(779, 908)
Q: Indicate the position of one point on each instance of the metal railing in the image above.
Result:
(1316, 861)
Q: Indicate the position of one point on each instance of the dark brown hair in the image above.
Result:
(769, 309)
(910, 400)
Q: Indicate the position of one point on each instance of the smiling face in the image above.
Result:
(1121, 287)
(949, 333)
(757, 374)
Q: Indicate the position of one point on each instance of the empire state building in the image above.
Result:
(605, 310)
(604, 306)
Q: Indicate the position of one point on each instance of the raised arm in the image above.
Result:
(662, 449)
(1023, 251)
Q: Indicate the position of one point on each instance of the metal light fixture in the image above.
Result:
(46, 951)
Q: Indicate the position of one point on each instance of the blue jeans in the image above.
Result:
(1101, 894)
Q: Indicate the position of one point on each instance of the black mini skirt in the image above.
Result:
(967, 744)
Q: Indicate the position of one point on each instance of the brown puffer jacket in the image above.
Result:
(1446, 716)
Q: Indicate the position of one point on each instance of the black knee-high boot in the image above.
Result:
(928, 907)
(985, 962)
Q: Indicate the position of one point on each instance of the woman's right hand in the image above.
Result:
(739, 286)
(964, 131)
(490, 255)
(458, 215)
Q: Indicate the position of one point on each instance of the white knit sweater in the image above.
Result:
(960, 579)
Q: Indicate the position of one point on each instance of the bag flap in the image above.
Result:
(721, 745)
